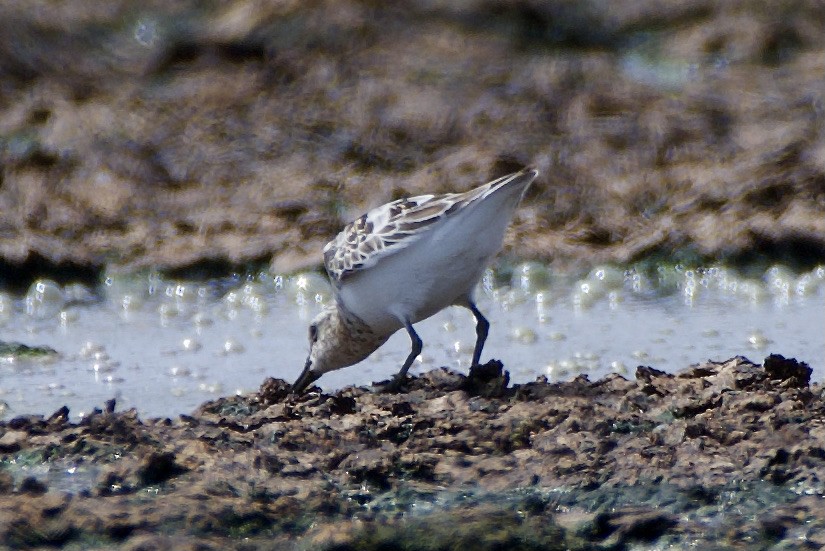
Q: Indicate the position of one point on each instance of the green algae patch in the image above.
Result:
(14, 351)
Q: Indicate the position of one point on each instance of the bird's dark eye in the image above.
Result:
(313, 333)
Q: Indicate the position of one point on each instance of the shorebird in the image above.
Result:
(403, 262)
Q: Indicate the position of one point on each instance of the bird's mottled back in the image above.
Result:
(394, 226)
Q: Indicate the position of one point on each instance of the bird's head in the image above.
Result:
(334, 344)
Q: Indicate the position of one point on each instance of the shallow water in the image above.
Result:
(164, 347)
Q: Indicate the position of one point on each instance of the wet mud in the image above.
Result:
(201, 136)
(728, 454)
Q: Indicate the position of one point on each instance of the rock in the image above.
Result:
(12, 441)
(341, 405)
(52, 505)
(373, 467)
(798, 374)
(112, 480)
(402, 409)
(157, 468)
(773, 528)
(647, 374)
(59, 417)
(489, 380)
(30, 485)
(442, 378)
(273, 391)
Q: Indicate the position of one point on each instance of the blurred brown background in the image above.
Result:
(185, 133)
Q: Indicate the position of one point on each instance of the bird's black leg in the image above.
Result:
(415, 340)
(482, 327)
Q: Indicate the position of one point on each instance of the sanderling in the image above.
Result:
(401, 263)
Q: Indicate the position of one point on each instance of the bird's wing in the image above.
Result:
(390, 228)
(382, 232)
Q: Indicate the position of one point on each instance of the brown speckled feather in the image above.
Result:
(390, 228)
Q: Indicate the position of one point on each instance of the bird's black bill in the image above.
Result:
(306, 378)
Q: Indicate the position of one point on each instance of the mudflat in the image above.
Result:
(718, 454)
(203, 135)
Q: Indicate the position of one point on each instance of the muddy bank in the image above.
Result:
(728, 453)
(204, 134)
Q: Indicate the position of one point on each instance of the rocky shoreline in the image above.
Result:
(730, 454)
